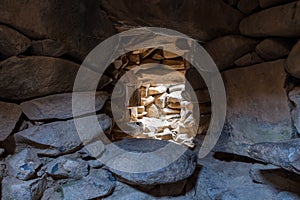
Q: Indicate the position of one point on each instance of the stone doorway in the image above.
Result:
(157, 102)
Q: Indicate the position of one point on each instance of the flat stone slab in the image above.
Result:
(280, 21)
(283, 154)
(149, 162)
(257, 111)
(59, 138)
(59, 106)
(9, 116)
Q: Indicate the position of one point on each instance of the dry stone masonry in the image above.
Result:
(255, 45)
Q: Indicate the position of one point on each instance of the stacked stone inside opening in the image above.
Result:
(162, 113)
(157, 104)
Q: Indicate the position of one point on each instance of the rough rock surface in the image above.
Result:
(270, 174)
(12, 42)
(283, 154)
(247, 6)
(282, 20)
(248, 59)
(40, 21)
(268, 3)
(200, 19)
(64, 167)
(271, 49)
(255, 109)
(13, 188)
(97, 184)
(9, 116)
(60, 74)
(48, 47)
(294, 96)
(45, 71)
(293, 61)
(59, 106)
(24, 164)
(57, 138)
(181, 167)
(225, 50)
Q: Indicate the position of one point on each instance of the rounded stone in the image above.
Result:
(175, 171)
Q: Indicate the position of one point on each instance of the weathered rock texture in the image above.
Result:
(282, 20)
(285, 154)
(257, 112)
(85, 24)
(293, 61)
(225, 50)
(204, 19)
(139, 172)
(9, 116)
(41, 154)
(59, 106)
(12, 42)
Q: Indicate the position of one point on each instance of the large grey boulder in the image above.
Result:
(199, 19)
(13, 188)
(293, 61)
(28, 77)
(86, 25)
(97, 184)
(282, 20)
(9, 116)
(24, 164)
(257, 111)
(149, 162)
(225, 50)
(12, 42)
(283, 154)
(59, 106)
(58, 138)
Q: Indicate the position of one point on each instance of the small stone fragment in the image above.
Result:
(248, 59)
(9, 116)
(157, 90)
(13, 188)
(64, 167)
(97, 184)
(160, 101)
(168, 111)
(24, 164)
(175, 97)
(152, 111)
(174, 105)
(170, 55)
(273, 48)
(179, 87)
(147, 101)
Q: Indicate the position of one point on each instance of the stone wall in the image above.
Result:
(255, 44)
